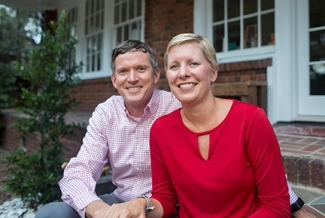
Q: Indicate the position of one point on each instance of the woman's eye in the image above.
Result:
(173, 66)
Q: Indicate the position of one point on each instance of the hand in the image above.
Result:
(97, 209)
(131, 209)
(302, 213)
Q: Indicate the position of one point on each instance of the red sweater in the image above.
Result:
(243, 176)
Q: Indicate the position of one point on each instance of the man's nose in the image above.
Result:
(133, 76)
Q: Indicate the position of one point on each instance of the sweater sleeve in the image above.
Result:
(162, 187)
(263, 152)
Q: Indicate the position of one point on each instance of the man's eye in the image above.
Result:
(122, 72)
(194, 64)
(142, 69)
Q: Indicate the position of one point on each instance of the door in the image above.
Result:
(311, 60)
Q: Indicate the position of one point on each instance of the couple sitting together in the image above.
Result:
(181, 154)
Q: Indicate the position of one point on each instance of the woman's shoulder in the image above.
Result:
(169, 118)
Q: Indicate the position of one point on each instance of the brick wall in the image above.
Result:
(12, 139)
(243, 71)
(163, 20)
(91, 92)
(305, 171)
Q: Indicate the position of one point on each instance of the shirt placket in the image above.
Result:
(138, 153)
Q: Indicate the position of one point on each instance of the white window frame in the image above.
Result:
(139, 20)
(203, 15)
(108, 40)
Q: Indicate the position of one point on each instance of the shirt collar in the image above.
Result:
(151, 107)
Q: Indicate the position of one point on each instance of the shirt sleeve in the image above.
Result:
(263, 152)
(83, 171)
(162, 187)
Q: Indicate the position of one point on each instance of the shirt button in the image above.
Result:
(137, 168)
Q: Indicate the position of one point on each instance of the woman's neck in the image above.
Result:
(201, 117)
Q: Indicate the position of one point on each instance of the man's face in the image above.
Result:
(134, 79)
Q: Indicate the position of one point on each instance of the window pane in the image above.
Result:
(131, 9)
(233, 8)
(316, 13)
(126, 32)
(92, 7)
(99, 62)
(93, 62)
(267, 29)
(94, 44)
(267, 4)
(233, 35)
(219, 42)
(87, 8)
(124, 11)
(91, 26)
(116, 14)
(97, 22)
(250, 6)
(119, 34)
(317, 45)
(102, 21)
(218, 10)
(88, 45)
(139, 8)
(99, 42)
(86, 27)
(317, 79)
(88, 64)
(250, 32)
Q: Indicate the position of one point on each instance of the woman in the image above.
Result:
(215, 157)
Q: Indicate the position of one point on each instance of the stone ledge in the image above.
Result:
(304, 171)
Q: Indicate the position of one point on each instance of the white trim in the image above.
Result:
(201, 16)
(271, 91)
(309, 118)
(284, 47)
(246, 54)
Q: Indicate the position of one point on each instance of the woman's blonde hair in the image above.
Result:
(204, 44)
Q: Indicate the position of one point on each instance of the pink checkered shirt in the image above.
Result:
(113, 134)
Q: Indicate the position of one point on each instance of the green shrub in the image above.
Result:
(52, 74)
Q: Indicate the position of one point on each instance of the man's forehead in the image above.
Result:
(133, 57)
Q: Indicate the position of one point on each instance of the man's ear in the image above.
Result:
(113, 79)
(156, 75)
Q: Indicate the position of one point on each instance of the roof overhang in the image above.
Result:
(32, 5)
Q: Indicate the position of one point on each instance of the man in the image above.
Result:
(118, 131)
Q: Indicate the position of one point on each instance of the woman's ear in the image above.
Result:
(214, 74)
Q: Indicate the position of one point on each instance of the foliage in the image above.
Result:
(52, 73)
(14, 40)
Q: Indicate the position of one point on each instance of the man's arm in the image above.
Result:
(297, 205)
(82, 172)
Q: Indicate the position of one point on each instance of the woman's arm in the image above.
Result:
(263, 152)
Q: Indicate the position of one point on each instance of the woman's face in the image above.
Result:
(189, 74)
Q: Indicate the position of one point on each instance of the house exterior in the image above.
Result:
(278, 43)
(281, 42)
